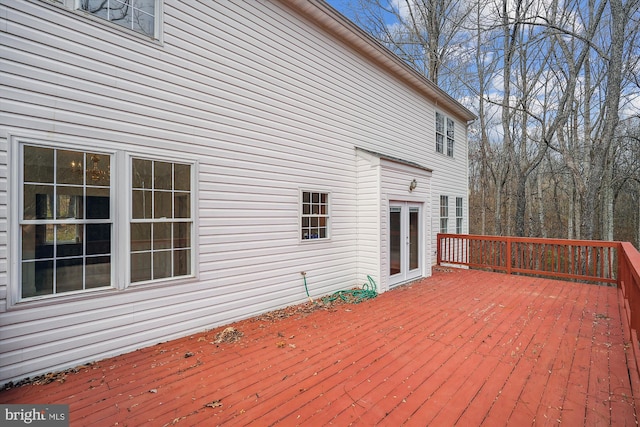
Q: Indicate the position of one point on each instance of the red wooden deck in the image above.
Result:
(462, 347)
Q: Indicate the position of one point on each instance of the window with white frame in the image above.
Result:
(66, 224)
(445, 134)
(161, 220)
(314, 217)
(444, 214)
(439, 133)
(67, 220)
(137, 15)
(450, 137)
(459, 215)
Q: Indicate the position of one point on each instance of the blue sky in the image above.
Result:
(341, 6)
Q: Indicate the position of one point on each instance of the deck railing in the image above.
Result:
(582, 260)
(629, 282)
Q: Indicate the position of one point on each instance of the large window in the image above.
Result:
(137, 15)
(315, 215)
(65, 222)
(444, 214)
(68, 217)
(445, 128)
(161, 220)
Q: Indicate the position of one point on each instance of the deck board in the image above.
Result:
(460, 348)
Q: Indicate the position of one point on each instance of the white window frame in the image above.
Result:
(120, 208)
(444, 214)
(451, 126)
(310, 216)
(445, 134)
(153, 220)
(459, 215)
(440, 132)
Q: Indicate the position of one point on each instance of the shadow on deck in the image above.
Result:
(462, 347)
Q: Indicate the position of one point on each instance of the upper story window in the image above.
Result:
(450, 137)
(314, 218)
(137, 15)
(445, 134)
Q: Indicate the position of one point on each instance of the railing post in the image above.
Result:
(439, 249)
(508, 260)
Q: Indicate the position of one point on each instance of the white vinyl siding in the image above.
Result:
(269, 104)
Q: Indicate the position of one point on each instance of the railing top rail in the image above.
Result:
(539, 240)
(631, 254)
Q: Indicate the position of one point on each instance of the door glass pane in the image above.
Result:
(414, 238)
(395, 223)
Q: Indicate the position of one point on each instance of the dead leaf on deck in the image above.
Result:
(229, 335)
(214, 404)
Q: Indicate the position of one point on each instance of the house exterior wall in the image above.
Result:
(264, 103)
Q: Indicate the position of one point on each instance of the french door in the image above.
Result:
(405, 230)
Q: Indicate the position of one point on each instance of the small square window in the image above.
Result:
(314, 215)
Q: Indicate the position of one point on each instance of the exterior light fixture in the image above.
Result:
(413, 185)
